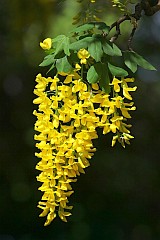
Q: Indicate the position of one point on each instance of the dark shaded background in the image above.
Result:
(118, 197)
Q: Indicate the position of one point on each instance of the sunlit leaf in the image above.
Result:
(58, 38)
(47, 61)
(62, 44)
(52, 67)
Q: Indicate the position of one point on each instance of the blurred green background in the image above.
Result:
(119, 196)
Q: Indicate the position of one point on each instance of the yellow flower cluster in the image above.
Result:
(67, 117)
(66, 124)
(115, 111)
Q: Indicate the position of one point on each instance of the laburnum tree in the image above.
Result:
(85, 88)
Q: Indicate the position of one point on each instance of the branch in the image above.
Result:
(149, 10)
(131, 37)
(117, 25)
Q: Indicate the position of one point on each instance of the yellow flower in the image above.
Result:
(95, 86)
(118, 101)
(97, 98)
(83, 54)
(69, 78)
(77, 67)
(79, 86)
(126, 91)
(106, 128)
(42, 82)
(125, 113)
(114, 139)
(125, 138)
(116, 122)
(54, 83)
(46, 44)
(115, 84)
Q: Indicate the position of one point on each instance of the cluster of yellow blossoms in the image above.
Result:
(69, 111)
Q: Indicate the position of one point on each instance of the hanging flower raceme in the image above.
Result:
(84, 92)
(66, 124)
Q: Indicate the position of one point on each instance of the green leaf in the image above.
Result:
(116, 50)
(83, 28)
(62, 44)
(129, 62)
(111, 49)
(91, 25)
(52, 67)
(95, 50)
(132, 59)
(107, 48)
(104, 80)
(66, 47)
(58, 38)
(92, 75)
(83, 43)
(141, 61)
(47, 61)
(102, 26)
(117, 71)
(99, 72)
(50, 51)
(63, 65)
